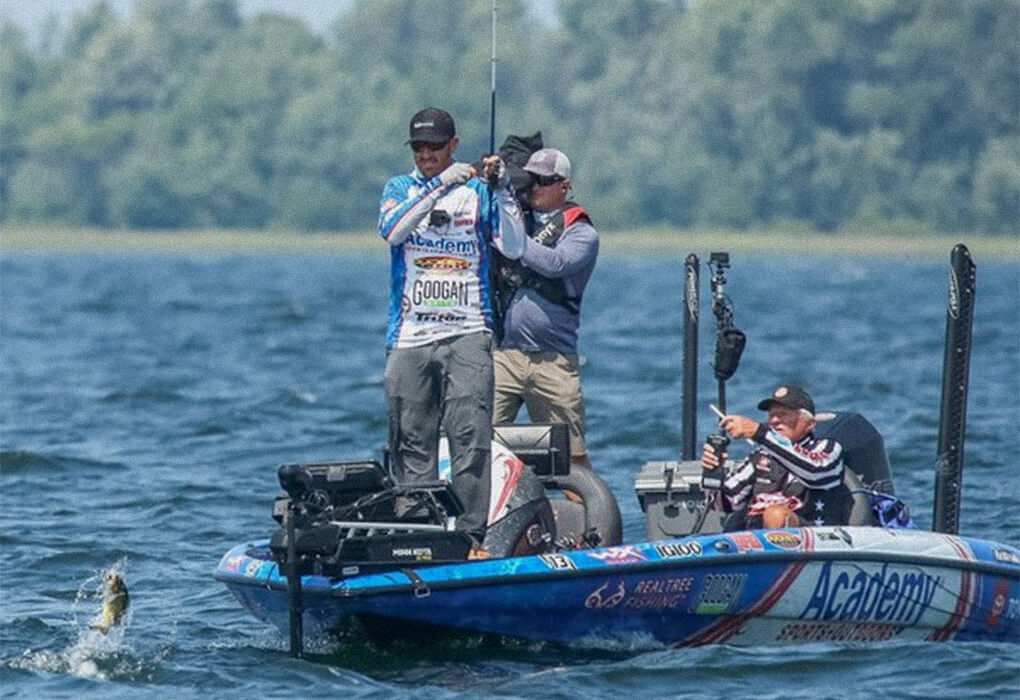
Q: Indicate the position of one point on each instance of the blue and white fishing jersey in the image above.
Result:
(440, 257)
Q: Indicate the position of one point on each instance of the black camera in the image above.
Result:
(438, 217)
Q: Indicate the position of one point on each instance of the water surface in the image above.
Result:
(146, 401)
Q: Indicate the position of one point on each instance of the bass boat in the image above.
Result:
(342, 557)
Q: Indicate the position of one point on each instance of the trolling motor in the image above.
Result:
(729, 344)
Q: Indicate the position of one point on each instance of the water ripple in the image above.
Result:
(148, 401)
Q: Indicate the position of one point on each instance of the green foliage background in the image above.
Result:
(721, 113)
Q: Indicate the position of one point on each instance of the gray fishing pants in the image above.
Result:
(447, 383)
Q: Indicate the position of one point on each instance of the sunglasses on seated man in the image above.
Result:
(546, 180)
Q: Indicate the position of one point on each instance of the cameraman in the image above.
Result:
(536, 362)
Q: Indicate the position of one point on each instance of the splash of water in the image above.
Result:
(92, 654)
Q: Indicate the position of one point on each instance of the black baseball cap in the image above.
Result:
(431, 125)
(791, 396)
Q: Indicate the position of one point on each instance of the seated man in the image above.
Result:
(792, 478)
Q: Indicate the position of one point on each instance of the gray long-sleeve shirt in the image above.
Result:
(535, 324)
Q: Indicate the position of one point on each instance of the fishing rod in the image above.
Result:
(492, 85)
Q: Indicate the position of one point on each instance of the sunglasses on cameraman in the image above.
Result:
(546, 180)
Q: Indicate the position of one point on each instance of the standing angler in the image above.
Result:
(440, 222)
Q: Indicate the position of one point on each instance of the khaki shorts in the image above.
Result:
(548, 383)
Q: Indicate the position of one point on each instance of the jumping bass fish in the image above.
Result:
(115, 602)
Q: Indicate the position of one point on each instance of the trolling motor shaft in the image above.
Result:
(729, 345)
(729, 340)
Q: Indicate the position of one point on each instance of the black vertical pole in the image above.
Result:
(955, 373)
(295, 607)
(689, 415)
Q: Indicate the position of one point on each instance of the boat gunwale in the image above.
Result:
(335, 589)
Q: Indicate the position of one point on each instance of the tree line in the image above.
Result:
(723, 113)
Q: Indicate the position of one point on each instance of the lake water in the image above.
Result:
(146, 401)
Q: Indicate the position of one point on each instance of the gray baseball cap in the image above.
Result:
(548, 162)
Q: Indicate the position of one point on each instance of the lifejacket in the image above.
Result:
(511, 275)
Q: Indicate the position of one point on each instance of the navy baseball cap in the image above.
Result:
(791, 396)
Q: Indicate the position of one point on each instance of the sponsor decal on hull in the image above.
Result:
(746, 541)
(232, 562)
(1004, 555)
(718, 593)
(784, 540)
(678, 550)
(660, 594)
(1003, 607)
(625, 554)
(883, 595)
(558, 562)
(837, 632)
(605, 596)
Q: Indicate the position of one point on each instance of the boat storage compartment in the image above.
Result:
(545, 447)
(672, 499)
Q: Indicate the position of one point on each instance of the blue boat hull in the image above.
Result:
(756, 587)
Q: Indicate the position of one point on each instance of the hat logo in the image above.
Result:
(419, 125)
(780, 392)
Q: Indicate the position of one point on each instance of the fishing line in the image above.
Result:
(492, 85)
